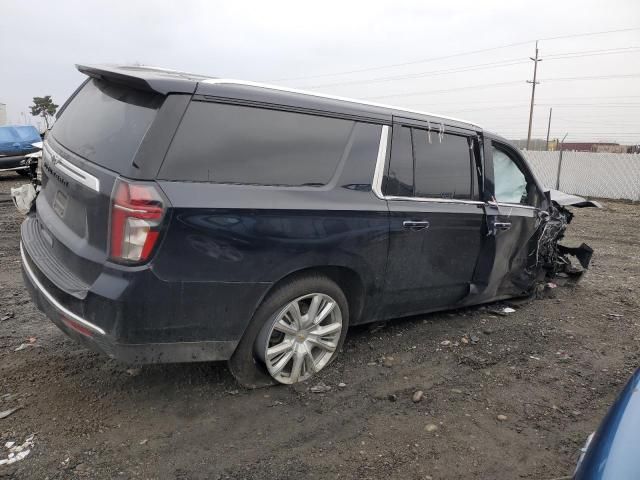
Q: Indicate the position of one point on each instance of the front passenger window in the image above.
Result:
(510, 182)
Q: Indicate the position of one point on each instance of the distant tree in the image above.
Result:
(44, 107)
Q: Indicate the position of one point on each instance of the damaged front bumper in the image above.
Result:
(552, 256)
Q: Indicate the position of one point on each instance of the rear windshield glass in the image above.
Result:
(105, 123)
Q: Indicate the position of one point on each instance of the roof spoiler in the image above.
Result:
(144, 78)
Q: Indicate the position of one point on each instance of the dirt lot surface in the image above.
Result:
(516, 401)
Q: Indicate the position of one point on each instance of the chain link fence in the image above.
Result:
(601, 175)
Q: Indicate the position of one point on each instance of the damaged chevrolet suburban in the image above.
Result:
(184, 218)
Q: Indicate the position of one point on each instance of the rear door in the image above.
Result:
(436, 218)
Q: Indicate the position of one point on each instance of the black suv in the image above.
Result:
(184, 218)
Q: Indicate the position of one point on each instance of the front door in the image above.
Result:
(436, 218)
(513, 221)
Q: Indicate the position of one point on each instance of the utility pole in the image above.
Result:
(549, 127)
(560, 162)
(533, 91)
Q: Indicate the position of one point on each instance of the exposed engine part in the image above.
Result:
(552, 256)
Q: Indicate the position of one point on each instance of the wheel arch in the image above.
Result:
(349, 281)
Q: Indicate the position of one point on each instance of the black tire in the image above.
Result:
(244, 364)
(24, 173)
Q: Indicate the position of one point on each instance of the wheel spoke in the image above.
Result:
(279, 349)
(324, 330)
(316, 301)
(280, 364)
(323, 344)
(294, 313)
(326, 310)
(309, 360)
(296, 368)
(284, 327)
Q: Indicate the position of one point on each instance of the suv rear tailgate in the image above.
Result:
(95, 140)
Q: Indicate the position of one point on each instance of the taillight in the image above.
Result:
(137, 210)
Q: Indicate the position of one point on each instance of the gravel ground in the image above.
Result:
(516, 401)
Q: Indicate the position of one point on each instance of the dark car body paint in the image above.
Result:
(612, 453)
(223, 247)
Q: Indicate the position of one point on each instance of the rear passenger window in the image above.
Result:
(246, 145)
(399, 181)
(442, 166)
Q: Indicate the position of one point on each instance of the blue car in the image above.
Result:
(611, 453)
(16, 142)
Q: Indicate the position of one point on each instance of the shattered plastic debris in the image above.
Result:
(31, 343)
(320, 388)
(23, 197)
(17, 452)
(11, 411)
(508, 310)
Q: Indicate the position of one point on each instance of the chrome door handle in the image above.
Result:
(415, 225)
(502, 225)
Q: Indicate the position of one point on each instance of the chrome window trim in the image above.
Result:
(378, 174)
(223, 81)
(376, 185)
(71, 170)
(57, 305)
(516, 205)
(435, 200)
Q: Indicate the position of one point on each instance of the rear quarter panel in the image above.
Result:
(252, 234)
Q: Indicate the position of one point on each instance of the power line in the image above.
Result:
(519, 82)
(479, 66)
(594, 77)
(592, 53)
(597, 122)
(573, 129)
(486, 85)
(460, 54)
(490, 103)
(614, 105)
(523, 105)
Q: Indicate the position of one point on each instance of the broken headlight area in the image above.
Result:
(553, 257)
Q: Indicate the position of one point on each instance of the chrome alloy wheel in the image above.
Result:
(301, 339)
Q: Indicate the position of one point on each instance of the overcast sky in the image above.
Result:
(282, 41)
